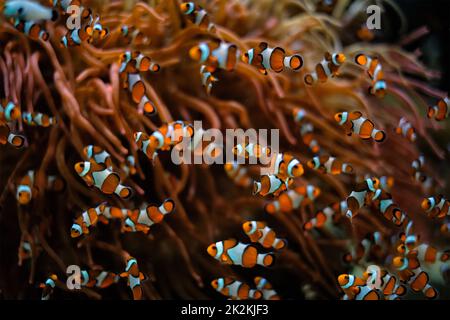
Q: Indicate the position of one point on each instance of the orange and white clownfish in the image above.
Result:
(135, 61)
(306, 130)
(25, 251)
(271, 184)
(88, 218)
(428, 254)
(38, 119)
(327, 68)
(164, 138)
(382, 280)
(129, 167)
(361, 251)
(238, 173)
(98, 155)
(26, 188)
(445, 228)
(386, 183)
(234, 289)
(48, 287)
(32, 29)
(268, 293)
(98, 278)
(138, 94)
(9, 112)
(406, 129)
(265, 58)
(354, 122)
(285, 166)
(367, 293)
(207, 78)
(293, 199)
(28, 11)
(412, 274)
(390, 209)
(436, 207)
(142, 220)
(248, 150)
(349, 284)
(6, 136)
(215, 55)
(95, 29)
(232, 252)
(134, 36)
(74, 38)
(197, 15)
(331, 214)
(417, 166)
(134, 278)
(440, 111)
(329, 164)
(375, 72)
(369, 188)
(107, 181)
(113, 213)
(258, 231)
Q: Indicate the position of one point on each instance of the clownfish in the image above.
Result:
(26, 189)
(207, 79)
(349, 284)
(375, 71)
(293, 199)
(369, 188)
(412, 274)
(232, 252)
(248, 150)
(386, 183)
(6, 136)
(428, 254)
(235, 289)
(405, 129)
(134, 278)
(63, 5)
(134, 61)
(258, 231)
(32, 29)
(215, 55)
(268, 293)
(271, 184)
(98, 155)
(265, 58)
(306, 130)
(38, 119)
(367, 293)
(359, 252)
(98, 278)
(328, 164)
(134, 36)
(74, 38)
(388, 284)
(164, 138)
(326, 6)
(197, 15)
(29, 11)
(440, 111)
(436, 207)
(327, 68)
(354, 122)
(48, 287)
(138, 94)
(129, 167)
(95, 30)
(9, 112)
(417, 166)
(99, 176)
(286, 166)
(238, 174)
(389, 209)
(25, 251)
(142, 220)
(88, 218)
(113, 213)
(330, 214)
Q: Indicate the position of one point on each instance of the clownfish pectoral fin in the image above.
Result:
(142, 276)
(123, 274)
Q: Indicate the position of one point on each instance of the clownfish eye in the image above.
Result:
(214, 247)
(346, 277)
(20, 10)
(82, 165)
